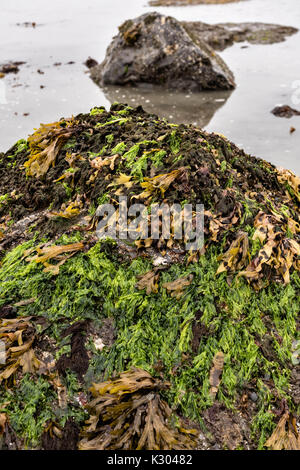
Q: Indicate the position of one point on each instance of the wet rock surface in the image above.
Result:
(222, 35)
(156, 49)
(167, 3)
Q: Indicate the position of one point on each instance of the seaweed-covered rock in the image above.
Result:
(156, 49)
(168, 338)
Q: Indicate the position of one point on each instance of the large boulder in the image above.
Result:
(157, 49)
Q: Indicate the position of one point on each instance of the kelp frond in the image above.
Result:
(128, 413)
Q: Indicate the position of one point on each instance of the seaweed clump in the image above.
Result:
(128, 413)
(212, 335)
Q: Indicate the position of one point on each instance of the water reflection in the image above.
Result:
(177, 107)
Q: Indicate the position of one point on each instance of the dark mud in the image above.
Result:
(12, 67)
(90, 62)
(78, 360)
(198, 109)
(89, 136)
(228, 429)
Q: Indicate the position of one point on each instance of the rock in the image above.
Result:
(222, 35)
(156, 49)
(167, 3)
(253, 396)
(28, 24)
(10, 68)
(285, 111)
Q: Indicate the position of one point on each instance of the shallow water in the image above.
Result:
(74, 29)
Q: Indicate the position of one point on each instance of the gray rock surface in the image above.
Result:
(157, 49)
(169, 3)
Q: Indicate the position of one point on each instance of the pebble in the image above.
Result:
(253, 396)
